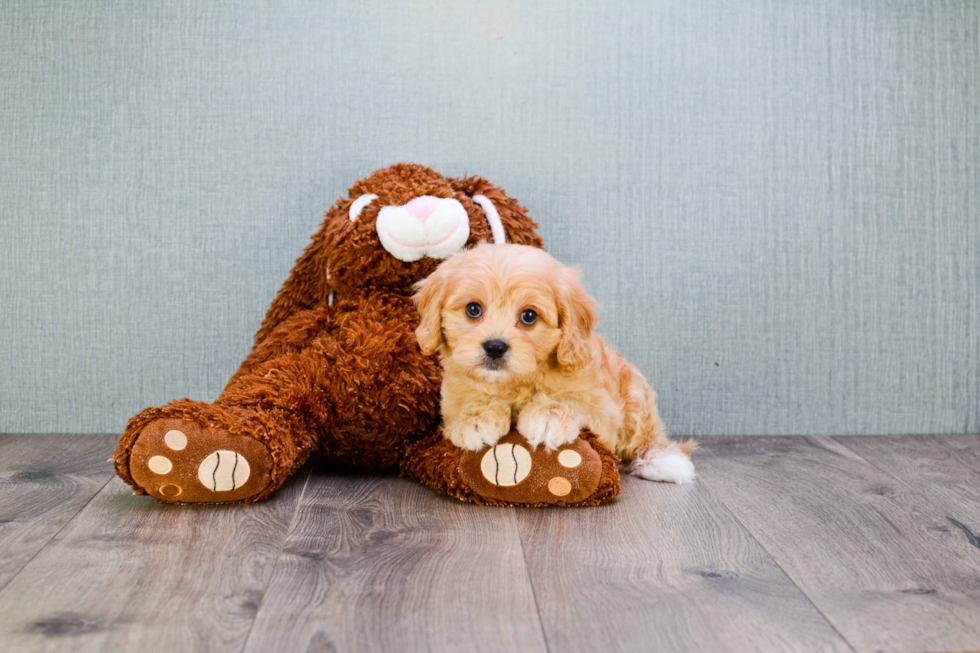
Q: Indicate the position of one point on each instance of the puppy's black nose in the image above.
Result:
(495, 348)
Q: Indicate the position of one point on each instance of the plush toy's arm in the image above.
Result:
(513, 473)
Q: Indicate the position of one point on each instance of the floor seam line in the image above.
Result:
(57, 533)
(898, 479)
(289, 531)
(762, 546)
(895, 477)
(530, 582)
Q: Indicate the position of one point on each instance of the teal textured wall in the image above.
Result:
(776, 203)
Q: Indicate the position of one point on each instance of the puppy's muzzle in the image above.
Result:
(495, 349)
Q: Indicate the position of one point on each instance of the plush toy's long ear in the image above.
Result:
(516, 226)
(429, 296)
(305, 287)
(577, 318)
(308, 285)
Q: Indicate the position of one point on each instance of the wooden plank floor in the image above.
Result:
(874, 556)
(808, 544)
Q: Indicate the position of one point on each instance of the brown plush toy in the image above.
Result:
(336, 374)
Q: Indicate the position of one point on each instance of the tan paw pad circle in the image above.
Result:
(160, 465)
(176, 440)
(559, 486)
(223, 471)
(506, 464)
(569, 458)
(170, 490)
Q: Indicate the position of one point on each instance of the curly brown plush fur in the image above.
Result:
(343, 383)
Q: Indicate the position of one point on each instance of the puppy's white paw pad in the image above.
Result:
(667, 468)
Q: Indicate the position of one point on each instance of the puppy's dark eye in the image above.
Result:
(473, 310)
(528, 317)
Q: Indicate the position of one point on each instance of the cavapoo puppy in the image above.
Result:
(515, 332)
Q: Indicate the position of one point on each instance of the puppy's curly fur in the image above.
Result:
(515, 331)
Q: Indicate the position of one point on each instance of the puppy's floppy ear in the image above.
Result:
(430, 293)
(576, 317)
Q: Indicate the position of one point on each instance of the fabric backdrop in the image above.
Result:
(776, 203)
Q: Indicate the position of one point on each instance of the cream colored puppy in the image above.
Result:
(515, 333)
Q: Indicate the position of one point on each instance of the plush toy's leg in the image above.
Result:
(244, 445)
(192, 452)
(356, 395)
(365, 399)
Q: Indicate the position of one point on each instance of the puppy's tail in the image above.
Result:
(688, 446)
(666, 461)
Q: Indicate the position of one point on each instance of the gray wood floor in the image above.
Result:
(784, 544)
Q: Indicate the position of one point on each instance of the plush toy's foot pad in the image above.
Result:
(513, 473)
(179, 461)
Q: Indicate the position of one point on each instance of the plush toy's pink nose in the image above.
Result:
(422, 207)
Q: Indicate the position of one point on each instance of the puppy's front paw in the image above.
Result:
(478, 431)
(551, 426)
